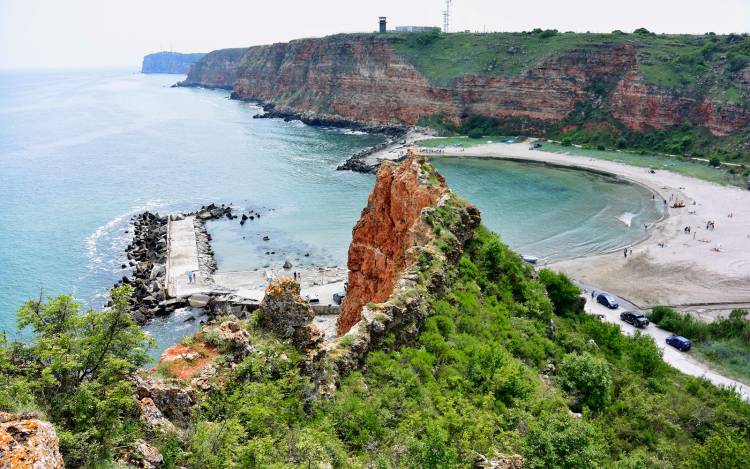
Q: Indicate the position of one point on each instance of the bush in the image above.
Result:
(588, 379)
(559, 441)
(565, 296)
(475, 133)
(714, 162)
(722, 450)
(645, 355)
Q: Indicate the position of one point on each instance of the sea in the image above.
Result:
(82, 151)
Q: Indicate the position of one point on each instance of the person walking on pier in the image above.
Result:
(190, 277)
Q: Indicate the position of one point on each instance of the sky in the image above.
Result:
(117, 33)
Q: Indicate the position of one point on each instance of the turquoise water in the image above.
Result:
(550, 212)
(80, 152)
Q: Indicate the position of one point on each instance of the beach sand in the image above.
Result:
(687, 272)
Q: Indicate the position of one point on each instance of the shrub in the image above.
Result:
(560, 441)
(722, 450)
(714, 162)
(588, 379)
(475, 133)
(645, 355)
(565, 296)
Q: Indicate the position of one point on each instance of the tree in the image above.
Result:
(78, 366)
(588, 379)
(714, 162)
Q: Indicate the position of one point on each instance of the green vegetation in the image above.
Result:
(695, 66)
(676, 164)
(496, 368)
(76, 374)
(477, 381)
(725, 343)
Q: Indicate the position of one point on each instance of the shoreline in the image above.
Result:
(668, 266)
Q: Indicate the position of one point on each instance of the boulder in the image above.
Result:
(27, 442)
(174, 400)
(152, 417)
(142, 455)
(199, 300)
(287, 265)
(282, 309)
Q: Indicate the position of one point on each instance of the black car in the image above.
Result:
(634, 318)
(680, 343)
(607, 300)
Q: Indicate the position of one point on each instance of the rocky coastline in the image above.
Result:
(358, 162)
(147, 257)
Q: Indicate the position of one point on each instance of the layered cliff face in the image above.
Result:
(370, 79)
(218, 69)
(169, 62)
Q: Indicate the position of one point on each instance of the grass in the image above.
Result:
(465, 142)
(731, 357)
(676, 164)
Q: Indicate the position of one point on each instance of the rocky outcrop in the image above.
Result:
(363, 80)
(282, 309)
(217, 69)
(169, 62)
(142, 455)
(389, 227)
(27, 442)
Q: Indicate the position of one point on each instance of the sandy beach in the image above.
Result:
(706, 270)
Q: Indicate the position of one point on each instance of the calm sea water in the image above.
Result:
(81, 152)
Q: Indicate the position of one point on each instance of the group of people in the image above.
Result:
(297, 276)
(192, 277)
(710, 225)
(628, 251)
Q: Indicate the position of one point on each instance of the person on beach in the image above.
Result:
(190, 277)
(625, 252)
(593, 292)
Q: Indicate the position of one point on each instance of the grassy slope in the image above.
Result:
(473, 383)
(694, 66)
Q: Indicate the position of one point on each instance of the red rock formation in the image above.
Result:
(27, 442)
(389, 226)
(362, 78)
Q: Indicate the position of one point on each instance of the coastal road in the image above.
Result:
(682, 361)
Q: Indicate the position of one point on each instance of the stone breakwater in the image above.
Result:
(147, 256)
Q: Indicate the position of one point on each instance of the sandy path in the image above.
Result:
(686, 271)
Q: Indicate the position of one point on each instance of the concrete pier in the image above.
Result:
(182, 257)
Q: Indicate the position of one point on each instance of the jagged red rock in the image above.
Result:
(389, 226)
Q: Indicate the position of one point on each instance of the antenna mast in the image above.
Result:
(447, 16)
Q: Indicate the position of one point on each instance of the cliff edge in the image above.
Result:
(169, 62)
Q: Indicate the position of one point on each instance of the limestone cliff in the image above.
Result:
(374, 80)
(169, 62)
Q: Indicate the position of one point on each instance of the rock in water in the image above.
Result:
(287, 265)
(27, 442)
(199, 300)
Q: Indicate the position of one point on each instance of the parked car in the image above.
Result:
(634, 318)
(680, 343)
(607, 300)
(312, 298)
(338, 297)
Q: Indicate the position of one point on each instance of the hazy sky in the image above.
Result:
(92, 33)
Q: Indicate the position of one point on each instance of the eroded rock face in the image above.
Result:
(27, 442)
(390, 225)
(361, 78)
(174, 400)
(283, 310)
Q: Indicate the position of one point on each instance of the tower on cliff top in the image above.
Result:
(447, 16)
(382, 24)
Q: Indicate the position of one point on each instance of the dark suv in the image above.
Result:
(680, 343)
(634, 318)
(607, 300)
